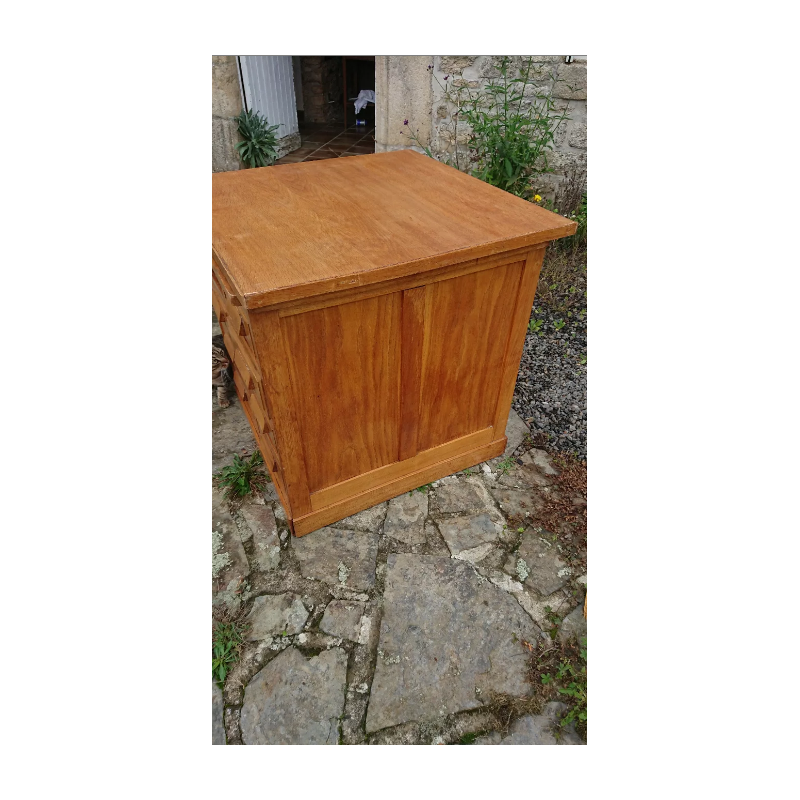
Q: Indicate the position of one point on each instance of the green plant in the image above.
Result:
(559, 324)
(504, 467)
(258, 145)
(225, 649)
(469, 738)
(535, 325)
(243, 477)
(509, 126)
(421, 489)
(554, 621)
(574, 679)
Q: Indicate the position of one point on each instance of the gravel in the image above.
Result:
(550, 394)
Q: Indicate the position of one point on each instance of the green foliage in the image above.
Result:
(225, 649)
(421, 489)
(258, 148)
(573, 680)
(559, 324)
(468, 738)
(511, 124)
(243, 477)
(535, 325)
(504, 467)
(554, 621)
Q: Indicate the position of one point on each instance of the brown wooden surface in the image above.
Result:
(397, 284)
(412, 337)
(390, 472)
(516, 338)
(345, 370)
(334, 513)
(269, 344)
(298, 230)
(466, 333)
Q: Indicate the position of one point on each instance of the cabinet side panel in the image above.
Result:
(271, 354)
(467, 325)
(516, 338)
(345, 370)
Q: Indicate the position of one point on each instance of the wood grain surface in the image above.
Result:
(467, 323)
(345, 370)
(326, 516)
(299, 230)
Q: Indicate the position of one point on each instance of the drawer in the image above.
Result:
(254, 396)
(219, 307)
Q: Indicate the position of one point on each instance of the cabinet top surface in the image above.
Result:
(299, 230)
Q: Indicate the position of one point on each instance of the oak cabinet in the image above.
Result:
(375, 310)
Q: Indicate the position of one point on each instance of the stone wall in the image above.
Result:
(411, 88)
(226, 105)
(322, 88)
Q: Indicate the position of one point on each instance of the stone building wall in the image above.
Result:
(412, 88)
(226, 105)
(322, 88)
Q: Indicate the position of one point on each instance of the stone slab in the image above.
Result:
(535, 729)
(338, 557)
(547, 572)
(295, 700)
(405, 518)
(516, 431)
(217, 725)
(460, 496)
(266, 544)
(342, 618)
(229, 565)
(447, 639)
(468, 532)
(274, 614)
(574, 624)
(369, 520)
(517, 503)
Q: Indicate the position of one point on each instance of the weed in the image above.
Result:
(559, 324)
(226, 648)
(558, 671)
(245, 476)
(535, 325)
(469, 738)
(422, 489)
(554, 620)
(504, 467)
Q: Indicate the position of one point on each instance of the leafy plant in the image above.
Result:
(559, 324)
(258, 148)
(243, 477)
(421, 489)
(226, 649)
(504, 467)
(510, 125)
(554, 621)
(575, 687)
(513, 126)
(534, 326)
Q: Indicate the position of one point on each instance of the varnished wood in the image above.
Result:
(412, 337)
(378, 477)
(466, 332)
(334, 513)
(375, 316)
(299, 230)
(516, 336)
(399, 284)
(344, 363)
(272, 353)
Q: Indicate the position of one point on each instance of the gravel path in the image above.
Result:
(550, 394)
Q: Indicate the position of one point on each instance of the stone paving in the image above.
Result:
(396, 625)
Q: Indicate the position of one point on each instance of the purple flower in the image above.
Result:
(405, 122)
(446, 77)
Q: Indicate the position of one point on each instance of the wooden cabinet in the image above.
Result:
(375, 309)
